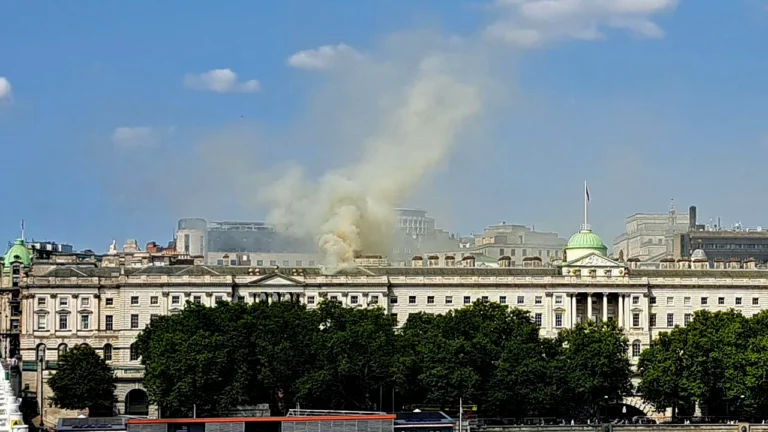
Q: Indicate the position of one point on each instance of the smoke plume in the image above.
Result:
(349, 211)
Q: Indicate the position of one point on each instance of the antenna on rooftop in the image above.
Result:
(22, 230)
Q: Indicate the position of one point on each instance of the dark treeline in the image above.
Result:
(719, 361)
(335, 357)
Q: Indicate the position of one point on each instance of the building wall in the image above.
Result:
(557, 298)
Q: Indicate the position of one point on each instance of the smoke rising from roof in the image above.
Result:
(351, 210)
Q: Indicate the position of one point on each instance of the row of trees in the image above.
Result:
(334, 357)
(719, 361)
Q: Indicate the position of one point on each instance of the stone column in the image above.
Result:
(549, 313)
(621, 310)
(589, 306)
(573, 310)
(605, 306)
(646, 313)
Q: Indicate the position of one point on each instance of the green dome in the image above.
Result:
(586, 239)
(17, 253)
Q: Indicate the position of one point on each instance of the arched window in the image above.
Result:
(134, 352)
(62, 349)
(107, 352)
(636, 349)
(40, 353)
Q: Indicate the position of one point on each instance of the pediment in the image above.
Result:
(593, 260)
(275, 279)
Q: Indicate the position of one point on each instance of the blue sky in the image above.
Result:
(646, 106)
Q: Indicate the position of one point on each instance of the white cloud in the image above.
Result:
(5, 89)
(322, 58)
(532, 23)
(133, 137)
(220, 81)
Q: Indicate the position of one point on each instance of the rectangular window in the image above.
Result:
(63, 302)
(558, 320)
(537, 300)
(154, 317)
(558, 300)
(430, 299)
(411, 299)
(738, 301)
(134, 321)
(687, 301)
(354, 299)
(197, 299)
(467, 300)
(670, 320)
(109, 301)
(670, 300)
(42, 321)
(652, 300)
(334, 298)
(635, 350)
(41, 301)
(175, 300)
(503, 299)
(311, 263)
(63, 322)
(273, 262)
(393, 300)
(755, 301)
(107, 352)
(134, 300)
(154, 300)
(635, 300)
(484, 299)
(374, 300)
(635, 319)
(85, 322)
(259, 263)
(218, 298)
(721, 300)
(299, 263)
(85, 301)
(310, 299)
(704, 301)
(501, 252)
(686, 319)
(520, 300)
(537, 319)
(108, 323)
(286, 263)
(448, 299)
(241, 299)
(652, 320)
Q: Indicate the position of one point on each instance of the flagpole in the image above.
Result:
(586, 206)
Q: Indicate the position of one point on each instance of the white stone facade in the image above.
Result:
(107, 307)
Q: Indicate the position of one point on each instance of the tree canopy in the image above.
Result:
(720, 361)
(83, 380)
(335, 357)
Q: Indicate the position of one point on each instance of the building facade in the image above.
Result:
(106, 303)
(649, 236)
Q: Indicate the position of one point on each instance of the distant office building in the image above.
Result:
(240, 243)
(649, 236)
(517, 243)
(723, 248)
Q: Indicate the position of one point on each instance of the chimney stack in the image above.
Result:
(692, 218)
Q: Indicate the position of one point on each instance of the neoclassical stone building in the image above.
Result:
(106, 302)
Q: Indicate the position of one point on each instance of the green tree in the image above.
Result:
(594, 367)
(355, 353)
(213, 359)
(716, 360)
(83, 380)
(662, 368)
